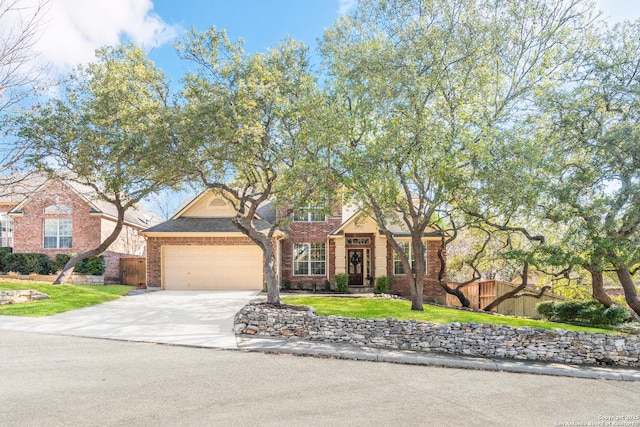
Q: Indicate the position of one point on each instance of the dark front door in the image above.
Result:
(354, 258)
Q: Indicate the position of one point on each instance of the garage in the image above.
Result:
(212, 267)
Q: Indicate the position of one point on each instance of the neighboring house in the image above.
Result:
(201, 248)
(57, 217)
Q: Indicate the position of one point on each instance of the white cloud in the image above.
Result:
(344, 6)
(74, 29)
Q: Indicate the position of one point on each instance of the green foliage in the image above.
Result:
(383, 284)
(591, 312)
(342, 282)
(4, 251)
(286, 284)
(300, 286)
(327, 285)
(93, 265)
(28, 263)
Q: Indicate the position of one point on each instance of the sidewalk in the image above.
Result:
(344, 351)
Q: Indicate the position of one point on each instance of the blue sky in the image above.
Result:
(75, 28)
(260, 23)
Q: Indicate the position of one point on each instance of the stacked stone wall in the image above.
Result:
(488, 340)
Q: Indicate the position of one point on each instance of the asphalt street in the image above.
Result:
(50, 380)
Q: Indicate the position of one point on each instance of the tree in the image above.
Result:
(422, 90)
(246, 132)
(108, 131)
(21, 76)
(593, 179)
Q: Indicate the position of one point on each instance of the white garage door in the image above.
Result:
(212, 267)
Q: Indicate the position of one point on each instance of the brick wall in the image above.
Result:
(309, 232)
(28, 228)
(432, 290)
(155, 244)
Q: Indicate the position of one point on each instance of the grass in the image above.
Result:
(382, 308)
(62, 297)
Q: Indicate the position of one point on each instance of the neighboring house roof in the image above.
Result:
(137, 216)
(203, 225)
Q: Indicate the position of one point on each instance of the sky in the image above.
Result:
(73, 29)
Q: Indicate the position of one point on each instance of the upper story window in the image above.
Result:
(57, 209)
(6, 230)
(309, 214)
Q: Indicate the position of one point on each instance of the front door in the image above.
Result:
(354, 258)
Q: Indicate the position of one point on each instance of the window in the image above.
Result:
(362, 241)
(58, 209)
(397, 264)
(309, 259)
(6, 230)
(57, 233)
(309, 215)
(217, 203)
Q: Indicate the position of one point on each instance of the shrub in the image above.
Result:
(383, 285)
(300, 285)
(94, 265)
(342, 282)
(286, 284)
(28, 263)
(4, 251)
(584, 312)
(327, 285)
(546, 309)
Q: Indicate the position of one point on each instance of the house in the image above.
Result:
(54, 217)
(201, 248)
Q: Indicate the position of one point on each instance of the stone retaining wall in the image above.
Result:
(523, 343)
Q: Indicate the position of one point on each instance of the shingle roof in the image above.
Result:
(203, 225)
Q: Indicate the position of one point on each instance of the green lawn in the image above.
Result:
(63, 297)
(381, 308)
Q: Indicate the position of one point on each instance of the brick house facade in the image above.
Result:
(311, 250)
(60, 218)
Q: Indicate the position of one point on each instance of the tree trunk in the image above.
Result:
(67, 270)
(630, 292)
(464, 301)
(269, 265)
(597, 286)
(418, 285)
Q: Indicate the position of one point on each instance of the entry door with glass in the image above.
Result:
(354, 258)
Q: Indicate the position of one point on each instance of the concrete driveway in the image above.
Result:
(193, 318)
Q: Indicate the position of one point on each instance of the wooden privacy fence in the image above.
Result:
(481, 294)
(133, 271)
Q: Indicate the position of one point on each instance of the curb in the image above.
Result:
(349, 352)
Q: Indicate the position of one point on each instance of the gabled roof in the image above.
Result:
(136, 216)
(202, 223)
(396, 230)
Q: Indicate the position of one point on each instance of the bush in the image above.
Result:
(342, 282)
(286, 284)
(383, 285)
(28, 263)
(546, 309)
(4, 251)
(583, 312)
(327, 285)
(94, 265)
(300, 285)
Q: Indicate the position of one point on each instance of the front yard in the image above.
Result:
(382, 308)
(62, 297)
